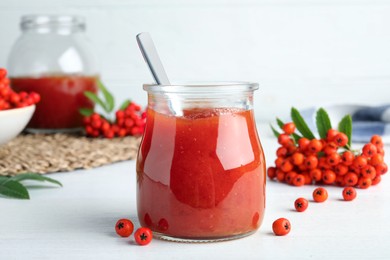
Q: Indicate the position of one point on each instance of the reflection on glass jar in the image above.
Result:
(201, 167)
(53, 57)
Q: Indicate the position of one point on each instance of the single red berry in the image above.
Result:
(328, 176)
(331, 134)
(281, 151)
(364, 182)
(333, 159)
(297, 158)
(330, 148)
(341, 169)
(376, 159)
(340, 139)
(299, 180)
(301, 204)
(376, 180)
(284, 139)
(289, 128)
(381, 168)
(281, 227)
(320, 194)
(143, 236)
(271, 172)
(316, 174)
(349, 193)
(280, 175)
(368, 171)
(351, 179)
(315, 146)
(286, 166)
(303, 143)
(369, 150)
(348, 157)
(377, 140)
(311, 162)
(360, 161)
(124, 227)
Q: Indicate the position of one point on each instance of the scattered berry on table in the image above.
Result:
(301, 204)
(349, 193)
(124, 227)
(143, 236)
(320, 194)
(281, 227)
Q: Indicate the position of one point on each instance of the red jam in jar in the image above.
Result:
(200, 174)
(61, 99)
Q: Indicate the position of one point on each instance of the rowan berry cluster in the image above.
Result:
(9, 99)
(128, 121)
(327, 160)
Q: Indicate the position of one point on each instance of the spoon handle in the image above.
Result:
(151, 57)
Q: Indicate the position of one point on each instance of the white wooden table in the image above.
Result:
(77, 222)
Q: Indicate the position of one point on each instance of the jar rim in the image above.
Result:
(201, 87)
(43, 20)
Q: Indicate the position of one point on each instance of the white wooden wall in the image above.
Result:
(302, 52)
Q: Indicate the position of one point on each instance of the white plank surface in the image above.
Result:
(77, 222)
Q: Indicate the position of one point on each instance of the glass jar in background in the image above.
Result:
(53, 58)
(200, 166)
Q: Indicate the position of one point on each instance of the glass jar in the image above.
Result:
(53, 58)
(200, 166)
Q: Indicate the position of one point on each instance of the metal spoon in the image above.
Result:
(151, 57)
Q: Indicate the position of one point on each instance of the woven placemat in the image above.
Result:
(63, 152)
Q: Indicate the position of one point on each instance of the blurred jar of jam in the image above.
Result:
(53, 57)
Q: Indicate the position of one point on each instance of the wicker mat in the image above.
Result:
(63, 152)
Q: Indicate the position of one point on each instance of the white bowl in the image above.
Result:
(13, 121)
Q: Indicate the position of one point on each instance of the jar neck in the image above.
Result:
(55, 24)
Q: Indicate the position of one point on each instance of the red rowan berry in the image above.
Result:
(340, 139)
(271, 172)
(369, 150)
(320, 194)
(368, 171)
(303, 143)
(331, 134)
(348, 157)
(328, 176)
(283, 139)
(351, 179)
(281, 151)
(364, 182)
(315, 146)
(301, 204)
(349, 193)
(377, 140)
(341, 169)
(316, 175)
(280, 175)
(286, 166)
(281, 227)
(381, 168)
(289, 128)
(297, 158)
(333, 159)
(311, 162)
(376, 180)
(360, 161)
(376, 159)
(299, 180)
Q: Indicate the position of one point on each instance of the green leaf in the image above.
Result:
(323, 122)
(345, 126)
(13, 189)
(301, 124)
(94, 98)
(280, 123)
(34, 177)
(125, 104)
(86, 111)
(109, 104)
(276, 133)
